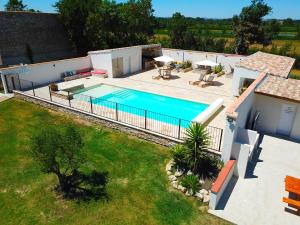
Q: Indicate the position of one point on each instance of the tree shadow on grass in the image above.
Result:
(86, 187)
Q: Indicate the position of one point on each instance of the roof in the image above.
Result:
(268, 63)
(287, 89)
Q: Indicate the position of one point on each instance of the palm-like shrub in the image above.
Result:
(219, 68)
(192, 155)
(197, 142)
(179, 153)
(191, 182)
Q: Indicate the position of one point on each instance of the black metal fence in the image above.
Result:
(152, 121)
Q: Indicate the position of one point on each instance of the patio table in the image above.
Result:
(292, 185)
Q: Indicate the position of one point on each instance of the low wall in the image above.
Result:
(158, 139)
(221, 183)
(226, 60)
(44, 73)
(237, 116)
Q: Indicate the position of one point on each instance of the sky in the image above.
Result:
(195, 8)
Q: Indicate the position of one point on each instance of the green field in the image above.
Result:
(138, 189)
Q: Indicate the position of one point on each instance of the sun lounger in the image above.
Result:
(201, 78)
(209, 81)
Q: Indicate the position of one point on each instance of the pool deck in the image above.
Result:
(177, 87)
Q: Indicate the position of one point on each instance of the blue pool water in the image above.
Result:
(162, 108)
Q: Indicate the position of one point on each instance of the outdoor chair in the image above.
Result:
(167, 74)
(201, 78)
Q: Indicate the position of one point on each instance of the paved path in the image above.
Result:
(5, 97)
(258, 198)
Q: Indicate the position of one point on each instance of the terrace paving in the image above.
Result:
(257, 199)
(177, 87)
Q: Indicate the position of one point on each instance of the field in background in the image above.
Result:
(280, 43)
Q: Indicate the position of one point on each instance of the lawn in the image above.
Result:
(138, 190)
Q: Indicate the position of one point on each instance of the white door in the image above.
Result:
(285, 125)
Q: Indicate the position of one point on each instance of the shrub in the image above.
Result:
(186, 64)
(179, 153)
(191, 182)
(294, 76)
(192, 155)
(210, 166)
(219, 68)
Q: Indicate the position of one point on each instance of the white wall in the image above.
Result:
(196, 56)
(215, 197)
(42, 73)
(102, 60)
(132, 58)
(230, 150)
(238, 77)
(270, 112)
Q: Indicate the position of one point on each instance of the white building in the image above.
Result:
(248, 69)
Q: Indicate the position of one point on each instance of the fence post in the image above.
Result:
(32, 88)
(50, 94)
(221, 136)
(19, 82)
(91, 101)
(69, 99)
(179, 129)
(117, 114)
(145, 119)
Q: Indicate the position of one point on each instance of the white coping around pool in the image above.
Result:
(176, 88)
(209, 112)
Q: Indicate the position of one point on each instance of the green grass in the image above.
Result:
(138, 190)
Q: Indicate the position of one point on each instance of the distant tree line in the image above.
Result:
(94, 24)
(102, 24)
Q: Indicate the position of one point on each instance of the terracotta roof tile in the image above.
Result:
(272, 64)
(288, 89)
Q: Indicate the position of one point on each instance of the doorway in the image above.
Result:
(288, 113)
(117, 66)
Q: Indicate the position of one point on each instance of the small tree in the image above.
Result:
(177, 28)
(248, 27)
(15, 5)
(59, 151)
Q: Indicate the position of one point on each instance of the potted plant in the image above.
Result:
(53, 87)
(219, 70)
(186, 66)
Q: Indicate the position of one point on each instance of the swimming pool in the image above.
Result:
(158, 107)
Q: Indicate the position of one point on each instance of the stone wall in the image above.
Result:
(40, 33)
(95, 120)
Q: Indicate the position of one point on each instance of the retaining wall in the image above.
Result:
(43, 33)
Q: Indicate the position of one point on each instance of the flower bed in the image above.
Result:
(176, 178)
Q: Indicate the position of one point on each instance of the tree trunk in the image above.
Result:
(63, 183)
